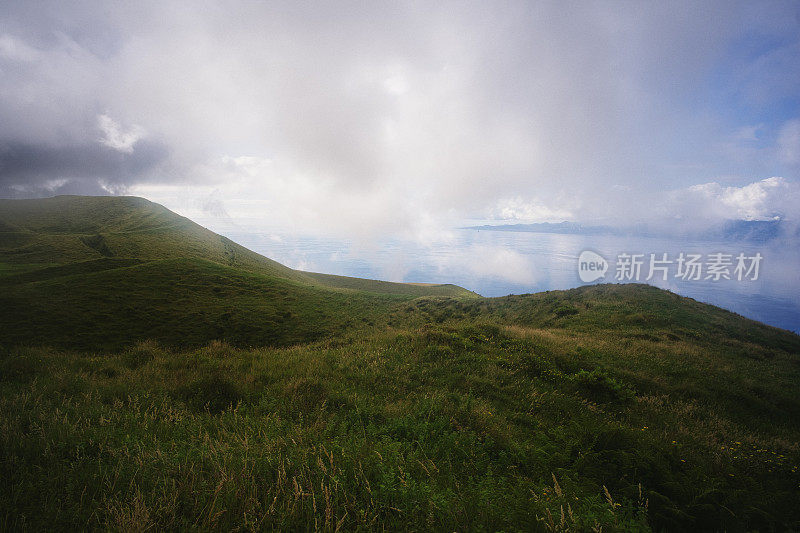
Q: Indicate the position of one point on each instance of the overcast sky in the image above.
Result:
(368, 119)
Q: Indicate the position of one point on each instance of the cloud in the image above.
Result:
(15, 50)
(501, 263)
(114, 137)
(401, 118)
(767, 199)
(521, 210)
(748, 133)
(36, 169)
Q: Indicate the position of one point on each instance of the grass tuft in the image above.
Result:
(212, 393)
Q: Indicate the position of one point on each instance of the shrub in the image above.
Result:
(305, 395)
(211, 393)
(435, 352)
(218, 349)
(140, 354)
(108, 372)
(565, 310)
(534, 365)
(21, 367)
(600, 387)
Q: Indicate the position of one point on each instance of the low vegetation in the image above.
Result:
(188, 393)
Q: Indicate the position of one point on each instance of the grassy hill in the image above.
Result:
(267, 398)
(385, 287)
(104, 272)
(68, 229)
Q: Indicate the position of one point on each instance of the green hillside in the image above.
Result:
(385, 287)
(179, 302)
(68, 229)
(104, 272)
(174, 388)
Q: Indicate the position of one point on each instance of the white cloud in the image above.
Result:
(518, 210)
(55, 184)
(16, 50)
(396, 82)
(487, 261)
(761, 200)
(401, 119)
(115, 137)
(503, 263)
(748, 133)
(262, 193)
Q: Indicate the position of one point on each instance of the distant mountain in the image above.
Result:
(746, 230)
(731, 230)
(549, 227)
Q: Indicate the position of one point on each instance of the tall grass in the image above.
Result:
(454, 427)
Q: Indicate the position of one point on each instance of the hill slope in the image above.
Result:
(68, 229)
(628, 407)
(104, 272)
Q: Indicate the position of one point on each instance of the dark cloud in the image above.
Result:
(34, 169)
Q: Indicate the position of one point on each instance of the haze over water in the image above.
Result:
(497, 263)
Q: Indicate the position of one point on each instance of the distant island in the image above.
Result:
(732, 230)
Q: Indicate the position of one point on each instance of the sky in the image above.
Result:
(404, 119)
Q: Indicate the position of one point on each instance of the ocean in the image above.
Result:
(497, 263)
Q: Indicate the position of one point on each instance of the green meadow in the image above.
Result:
(157, 376)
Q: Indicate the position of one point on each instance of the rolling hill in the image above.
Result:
(67, 229)
(154, 375)
(73, 269)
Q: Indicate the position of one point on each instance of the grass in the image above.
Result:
(386, 287)
(447, 427)
(179, 302)
(189, 392)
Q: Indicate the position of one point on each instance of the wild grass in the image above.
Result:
(111, 303)
(452, 427)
